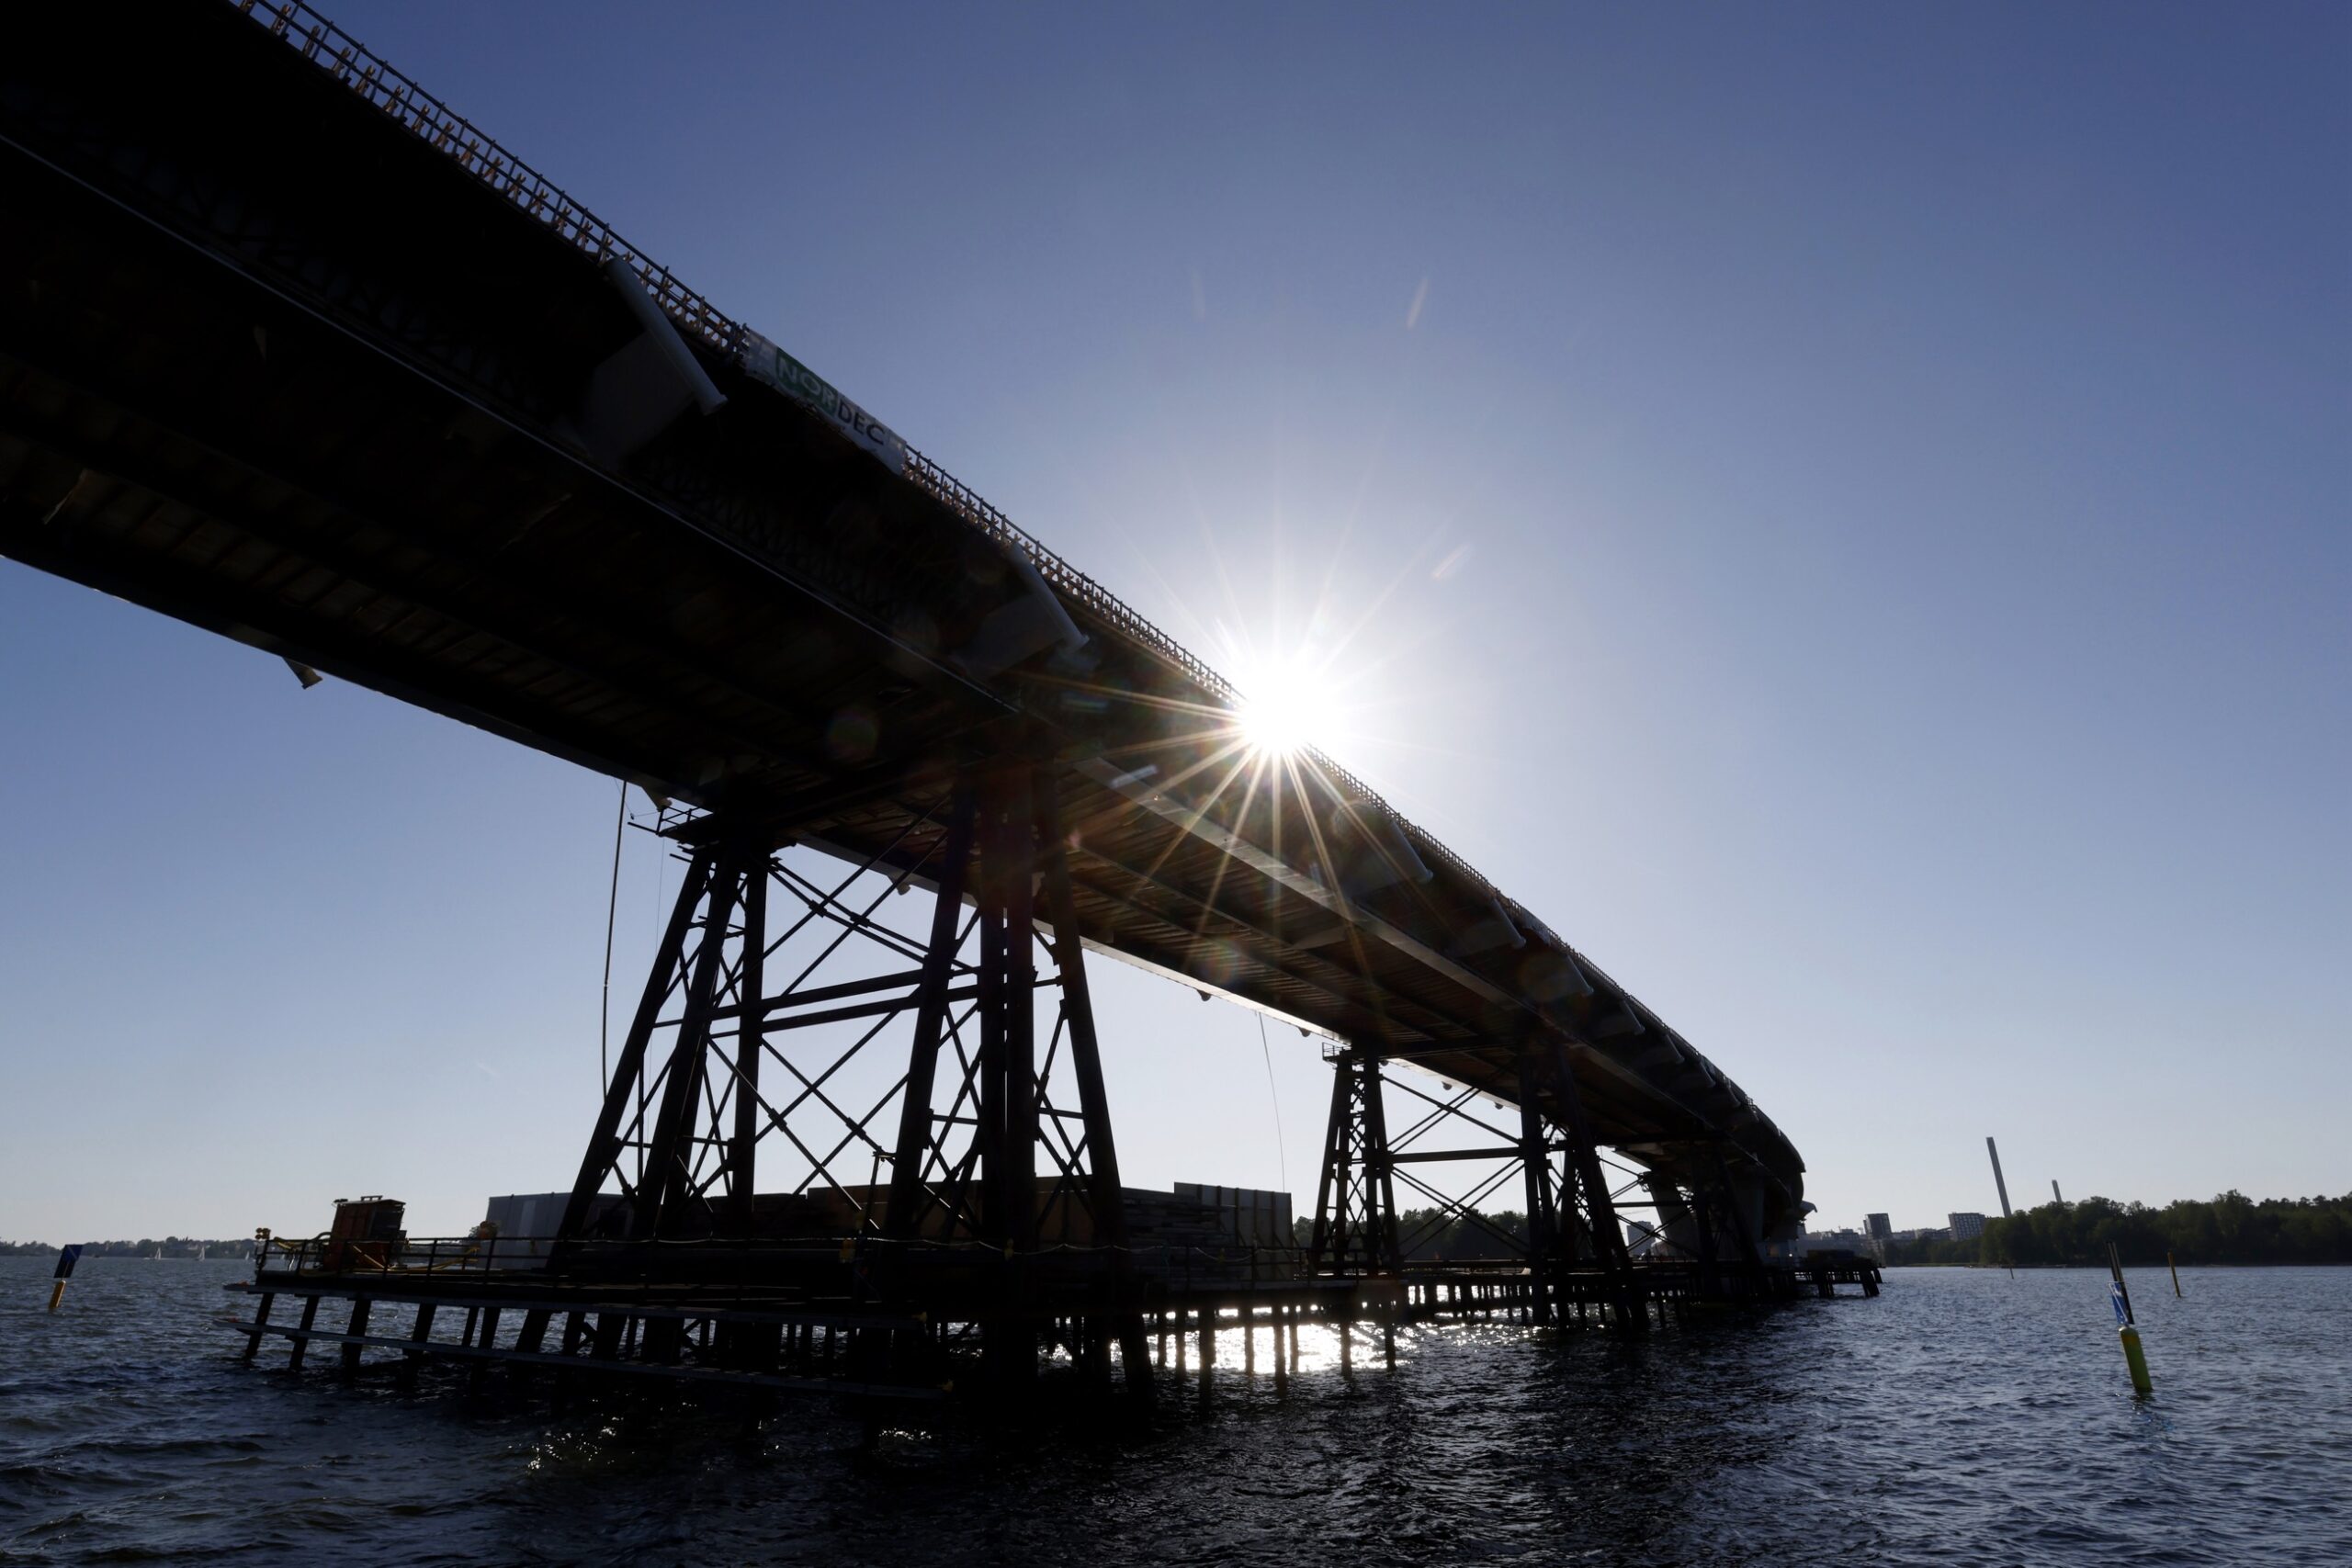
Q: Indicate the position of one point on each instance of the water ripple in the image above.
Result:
(1963, 1418)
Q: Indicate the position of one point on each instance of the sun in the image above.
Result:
(1283, 712)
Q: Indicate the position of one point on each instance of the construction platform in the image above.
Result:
(873, 1320)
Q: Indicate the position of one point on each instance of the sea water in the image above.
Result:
(1964, 1416)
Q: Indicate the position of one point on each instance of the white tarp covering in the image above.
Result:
(765, 361)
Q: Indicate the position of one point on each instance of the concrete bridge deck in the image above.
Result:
(291, 350)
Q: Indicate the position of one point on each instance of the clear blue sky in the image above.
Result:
(1843, 510)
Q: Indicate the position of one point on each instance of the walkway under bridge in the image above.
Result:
(291, 350)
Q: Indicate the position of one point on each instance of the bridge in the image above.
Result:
(291, 350)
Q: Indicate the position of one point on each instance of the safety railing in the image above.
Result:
(430, 1254)
(1212, 1267)
(398, 96)
(1178, 1266)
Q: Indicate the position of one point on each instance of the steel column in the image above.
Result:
(751, 1044)
(669, 1164)
(1016, 993)
(910, 1196)
(605, 1143)
(1094, 1104)
(1601, 1214)
(1535, 1161)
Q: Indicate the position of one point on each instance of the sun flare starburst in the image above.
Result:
(1283, 712)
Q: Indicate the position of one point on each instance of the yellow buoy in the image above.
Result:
(2119, 1295)
(2137, 1360)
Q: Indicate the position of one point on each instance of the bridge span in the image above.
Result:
(291, 350)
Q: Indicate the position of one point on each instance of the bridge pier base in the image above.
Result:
(717, 1075)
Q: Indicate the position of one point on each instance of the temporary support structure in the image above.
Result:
(712, 1070)
(1571, 1214)
(1355, 1200)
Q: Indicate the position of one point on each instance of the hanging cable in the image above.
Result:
(612, 908)
(1268, 1052)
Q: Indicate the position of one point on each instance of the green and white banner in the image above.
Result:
(779, 369)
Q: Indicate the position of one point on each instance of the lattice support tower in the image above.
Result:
(1355, 1200)
(725, 1075)
(1572, 1216)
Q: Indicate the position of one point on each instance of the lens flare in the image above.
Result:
(1283, 712)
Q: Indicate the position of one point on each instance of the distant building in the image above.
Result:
(1877, 1227)
(1966, 1227)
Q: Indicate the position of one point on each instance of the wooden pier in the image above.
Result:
(871, 1321)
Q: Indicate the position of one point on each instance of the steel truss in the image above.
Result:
(903, 1144)
(1355, 1198)
(1572, 1224)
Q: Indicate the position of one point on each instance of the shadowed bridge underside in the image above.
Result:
(291, 352)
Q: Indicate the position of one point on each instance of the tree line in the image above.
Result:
(145, 1247)
(2231, 1229)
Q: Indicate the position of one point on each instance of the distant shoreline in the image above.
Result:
(171, 1247)
(2200, 1263)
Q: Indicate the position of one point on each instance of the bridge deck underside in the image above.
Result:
(328, 401)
